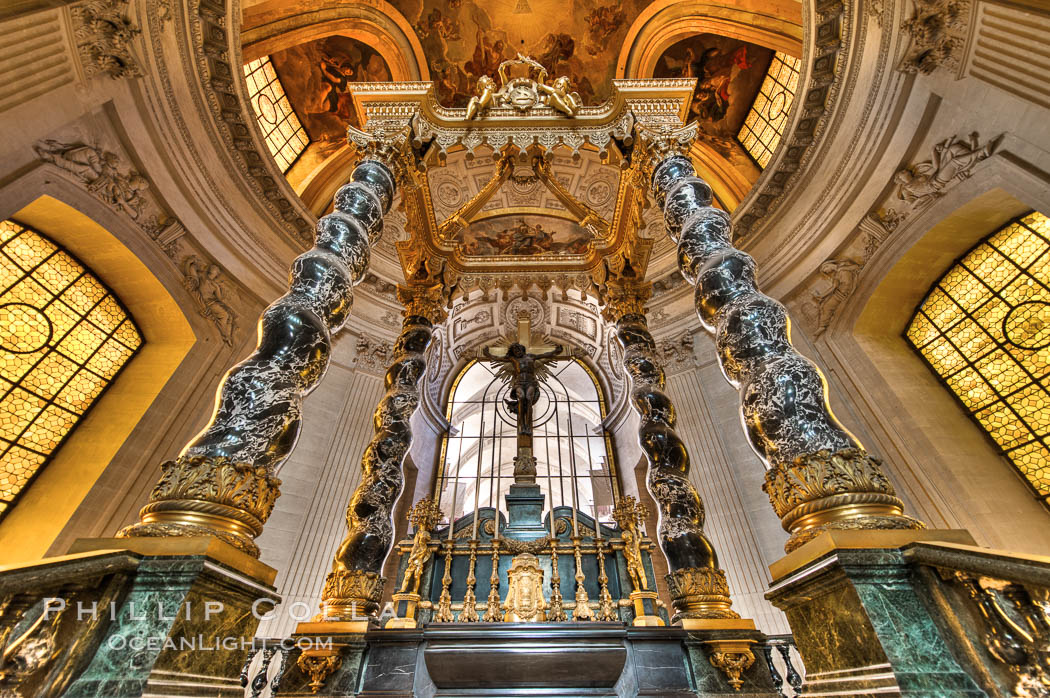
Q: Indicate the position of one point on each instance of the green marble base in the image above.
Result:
(710, 681)
(181, 627)
(862, 627)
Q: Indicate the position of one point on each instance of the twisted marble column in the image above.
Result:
(697, 586)
(223, 483)
(354, 587)
(819, 476)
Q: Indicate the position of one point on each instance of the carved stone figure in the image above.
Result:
(204, 282)
(953, 160)
(841, 276)
(525, 602)
(99, 170)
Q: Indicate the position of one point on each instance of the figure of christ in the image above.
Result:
(524, 371)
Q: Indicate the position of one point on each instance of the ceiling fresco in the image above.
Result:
(315, 75)
(729, 73)
(523, 235)
(464, 39)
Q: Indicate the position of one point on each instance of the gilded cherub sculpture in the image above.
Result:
(628, 514)
(424, 515)
(486, 91)
(523, 93)
(559, 97)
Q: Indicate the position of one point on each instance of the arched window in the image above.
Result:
(574, 461)
(64, 336)
(984, 328)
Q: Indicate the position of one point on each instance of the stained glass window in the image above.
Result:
(570, 446)
(765, 123)
(985, 329)
(63, 337)
(280, 126)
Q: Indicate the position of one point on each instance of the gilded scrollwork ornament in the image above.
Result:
(525, 602)
(733, 665)
(318, 667)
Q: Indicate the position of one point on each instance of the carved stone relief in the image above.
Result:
(677, 353)
(109, 178)
(104, 174)
(916, 187)
(206, 283)
(938, 30)
(373, 356)
(528, 306)
(953, 161)
(104, 35)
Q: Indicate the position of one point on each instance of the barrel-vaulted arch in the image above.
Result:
(89, 463)
(776, 25)
(575, 462)
(276, 25)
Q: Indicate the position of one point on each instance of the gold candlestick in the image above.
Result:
(469, 614)
(583, 610)
(556, 612)
(629, 515)
(494, 614)
(606, 607)
(444, 609)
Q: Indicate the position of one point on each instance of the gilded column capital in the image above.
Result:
(424, 300)
(623, 297)
(389, 144)
(657, 142)
(700, 593)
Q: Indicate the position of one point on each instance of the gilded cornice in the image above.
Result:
(436, 131)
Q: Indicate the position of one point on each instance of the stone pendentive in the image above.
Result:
(223, 482)
(820, 476)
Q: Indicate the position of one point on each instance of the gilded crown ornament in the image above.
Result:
(523, 93)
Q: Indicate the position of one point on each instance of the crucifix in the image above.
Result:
(523, 370)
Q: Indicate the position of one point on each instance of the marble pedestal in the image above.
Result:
(181, 622)
(861, 618)
(525, 512)
(544, 659)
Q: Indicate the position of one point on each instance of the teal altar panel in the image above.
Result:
(463, 534)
